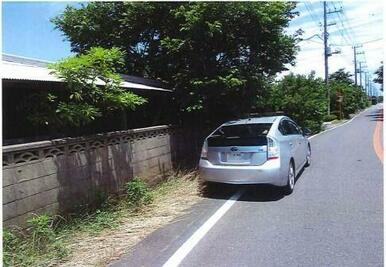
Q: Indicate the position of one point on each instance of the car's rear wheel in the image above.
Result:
(308, 157)
(207, 188)
(289, 188)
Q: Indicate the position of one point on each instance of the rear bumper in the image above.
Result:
(268, 173)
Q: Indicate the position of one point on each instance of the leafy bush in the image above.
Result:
(138, 192)
(353, 98)
(41, 229)
(345, 97)
(10, 242)
(38, 242)
(303, 98)
(330, 117)
(102, 219)
(93, 89)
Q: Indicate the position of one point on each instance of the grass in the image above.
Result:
(47, 238)
(38, 242)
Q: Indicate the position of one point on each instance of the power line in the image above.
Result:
(311, 13)
(342, 30)
(327, 49)
(343, 35)
(367, 42)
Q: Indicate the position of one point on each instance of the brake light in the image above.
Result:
(272, 149)
(204, 150)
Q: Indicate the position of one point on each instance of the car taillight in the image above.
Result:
(272, 149)
(204, 151)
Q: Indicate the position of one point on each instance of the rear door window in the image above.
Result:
(283, 128)
(287, 127)
(240, 135)
(293, 127)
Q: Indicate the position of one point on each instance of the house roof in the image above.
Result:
(21, 68)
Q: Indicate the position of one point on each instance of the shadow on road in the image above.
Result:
(376, 115)
(253, 193)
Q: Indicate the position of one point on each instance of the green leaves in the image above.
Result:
(301, 97)
(92, 90)
(125, 100)
(379, 78)
(77, 114)
(304, 98)
(353, 98)
(217, 56)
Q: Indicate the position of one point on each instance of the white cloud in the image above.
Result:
(364, 23)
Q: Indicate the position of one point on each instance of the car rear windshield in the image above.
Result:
(240, 135)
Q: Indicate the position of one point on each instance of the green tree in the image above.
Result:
(341, 76)
(217, 56)
(92, 89)
(301, 97)
(342, 89)
(379, 78)
(352, 97)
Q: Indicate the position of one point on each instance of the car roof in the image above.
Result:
(254, 120)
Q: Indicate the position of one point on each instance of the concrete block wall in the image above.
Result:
(60, 176)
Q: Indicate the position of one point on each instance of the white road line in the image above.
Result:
(189, 244)
(333, 128)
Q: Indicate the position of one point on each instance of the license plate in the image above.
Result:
(235, 156)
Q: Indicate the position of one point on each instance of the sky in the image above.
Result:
(27, 31)
(360, 22)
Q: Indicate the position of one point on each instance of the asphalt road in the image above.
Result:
(333, 218)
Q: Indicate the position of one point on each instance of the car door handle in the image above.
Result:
(291, 144)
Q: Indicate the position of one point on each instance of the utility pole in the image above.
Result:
(355, 62)
(360, 74)
(371, 89)
(362, 66)
(366, 85)
(325, 37)
(327, 50)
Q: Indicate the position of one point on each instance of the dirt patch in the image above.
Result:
(170, 201)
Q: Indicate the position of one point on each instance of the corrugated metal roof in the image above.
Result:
(16, 71)
(25, 60)
(19, 68)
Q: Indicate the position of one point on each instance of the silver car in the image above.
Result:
(261, 150)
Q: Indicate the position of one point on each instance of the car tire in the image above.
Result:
(207, 188)
(308, 157)
(289, 187)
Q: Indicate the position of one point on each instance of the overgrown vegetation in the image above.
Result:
(346, 97)
(38, 242)
(330, 117)
(379, 78)
(304, 98)
(45, 235)
(217, 57)
(138, 193)
(93, 89)
(301, 97)
(220, 59)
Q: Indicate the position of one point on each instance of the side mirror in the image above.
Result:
(307, 132)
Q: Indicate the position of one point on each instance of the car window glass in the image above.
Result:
(283, 128)
(240, 135)
(293, 128)
(288, 129)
